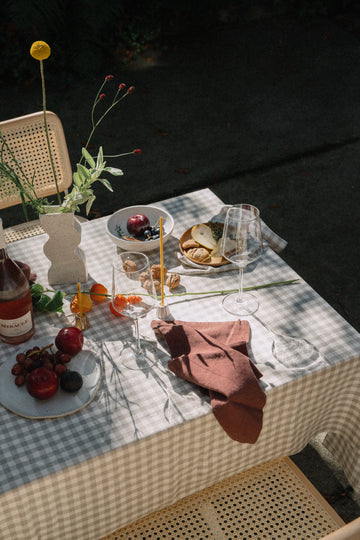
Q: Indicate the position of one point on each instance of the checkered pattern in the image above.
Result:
(148, 439)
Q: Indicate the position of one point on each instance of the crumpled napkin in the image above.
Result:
(270, 239)
(214, 356)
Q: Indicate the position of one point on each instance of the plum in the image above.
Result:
(70, 340)
(137, 224)
(42, 383)
(71, 381)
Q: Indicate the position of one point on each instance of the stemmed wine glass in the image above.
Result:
(292, 352)
(241, 244)
(133, 295)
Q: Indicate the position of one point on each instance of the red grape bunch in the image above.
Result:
(42, 368)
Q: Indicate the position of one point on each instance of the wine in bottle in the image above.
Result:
(16, 311)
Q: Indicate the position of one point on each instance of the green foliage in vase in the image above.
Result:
(88, 170)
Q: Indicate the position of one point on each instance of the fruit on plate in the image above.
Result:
(70, 340)
(71, 381)
(203, 235)
(42, 383)
(202, 244)
(41, 368)
(137, 224)
(27, 362)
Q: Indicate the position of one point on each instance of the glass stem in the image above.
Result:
(241, 281)
(137, 336)
(266, 326)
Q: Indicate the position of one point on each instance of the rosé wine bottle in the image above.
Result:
(16, 310)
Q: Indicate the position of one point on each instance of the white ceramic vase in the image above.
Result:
(68, 263)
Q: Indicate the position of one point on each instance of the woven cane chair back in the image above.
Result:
(26, 138)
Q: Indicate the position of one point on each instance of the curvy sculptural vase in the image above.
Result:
(68, 263)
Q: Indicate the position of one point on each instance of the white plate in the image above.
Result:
(18, 400)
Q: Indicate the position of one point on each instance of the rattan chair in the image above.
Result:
(26, 137)
(271, 501)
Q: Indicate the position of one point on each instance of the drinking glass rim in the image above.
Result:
(138, 254)
(246, 206)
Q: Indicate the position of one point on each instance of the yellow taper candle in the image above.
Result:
(80, 300)
(161, 262)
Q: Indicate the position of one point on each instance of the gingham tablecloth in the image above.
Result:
(149, 439)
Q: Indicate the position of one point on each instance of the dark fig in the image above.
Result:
(71, 381)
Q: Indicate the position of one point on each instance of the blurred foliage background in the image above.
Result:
(88, 34)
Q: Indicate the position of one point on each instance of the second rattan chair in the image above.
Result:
(272, 501)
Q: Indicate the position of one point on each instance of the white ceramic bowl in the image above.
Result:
(119, 219)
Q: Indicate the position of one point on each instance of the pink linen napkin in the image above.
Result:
(215, 357)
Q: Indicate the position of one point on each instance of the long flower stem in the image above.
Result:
(98, 122)
(96, 101)
(228, 291)
(47, 131)
(204, 293)
(118, 155)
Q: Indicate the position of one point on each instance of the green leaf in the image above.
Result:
(44, 303)
(100, 158)
(89, 204)
(86, 194)
(41, 302)
(83, 171)
(88, 157)
(36, 290)
(106, 183)
(77, 180)
(56, 302)
(114, 171)
(95, 175)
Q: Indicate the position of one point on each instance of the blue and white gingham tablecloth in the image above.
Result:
(149, 439)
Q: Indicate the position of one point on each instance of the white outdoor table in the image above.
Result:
(149, 438)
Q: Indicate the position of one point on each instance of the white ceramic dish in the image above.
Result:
(119, 219)
(18, 400)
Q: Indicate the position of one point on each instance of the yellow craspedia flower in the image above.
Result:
(40, 50)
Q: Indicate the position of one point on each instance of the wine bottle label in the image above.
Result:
(16, 327)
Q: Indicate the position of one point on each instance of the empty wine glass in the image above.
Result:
(133, 295)
(241, 244)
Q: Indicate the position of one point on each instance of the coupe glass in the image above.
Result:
(241, 244)
(133, 295)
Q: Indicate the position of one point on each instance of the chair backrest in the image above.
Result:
(351, 531)
(26, 138)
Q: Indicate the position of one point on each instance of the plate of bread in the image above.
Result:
(201, 244)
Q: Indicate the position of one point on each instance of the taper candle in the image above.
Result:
(161, 262)
(80, 299)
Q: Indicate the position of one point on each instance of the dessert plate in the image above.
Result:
(16, 399)
(210, 261)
